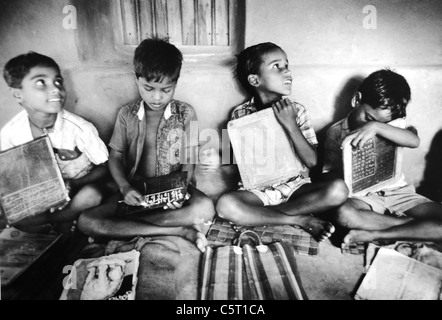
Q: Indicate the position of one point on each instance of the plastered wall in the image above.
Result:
(329, 50)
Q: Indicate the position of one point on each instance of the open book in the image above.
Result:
(394, 276)
(90, 279)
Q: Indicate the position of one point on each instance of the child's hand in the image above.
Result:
(52, 210)
(285, 113)
(176, 205)
(103, 280)
(132, 197)
(173, 205)
(69, 184)
(361, 135)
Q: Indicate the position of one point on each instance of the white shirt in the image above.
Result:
(76, 139)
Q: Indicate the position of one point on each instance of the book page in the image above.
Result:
(394, 276)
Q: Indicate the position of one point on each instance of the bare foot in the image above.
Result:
(202, 225)
(201, 241)
(196, 237)
(321, 230)
(355, 236)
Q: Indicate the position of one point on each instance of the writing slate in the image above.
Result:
(373, 166)
(263, 152)
(19, 250)
(31, 181)
(158, 191)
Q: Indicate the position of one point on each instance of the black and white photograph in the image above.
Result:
(221, 154)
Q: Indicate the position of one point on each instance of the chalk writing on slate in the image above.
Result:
(31, 181)
(375, 165)
(158, 191)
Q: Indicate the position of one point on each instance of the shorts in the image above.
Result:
(279, 193)
(396, 201)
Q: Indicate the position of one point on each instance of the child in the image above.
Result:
(263, 71)
(37, 85)
(151, 138)
(396, 212)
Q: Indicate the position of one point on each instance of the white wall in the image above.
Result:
(329, 50)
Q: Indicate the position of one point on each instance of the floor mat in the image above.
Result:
(222, 233)
(354, 248)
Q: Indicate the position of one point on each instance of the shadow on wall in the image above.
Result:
(341, 108)
(71, 94)
(216, 156)
(431, 186)
(343, 99)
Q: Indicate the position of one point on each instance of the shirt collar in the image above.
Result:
(345, 125)
(167, 113)
(345, 129)
(58, 125)
(141, 110)
(251, 104)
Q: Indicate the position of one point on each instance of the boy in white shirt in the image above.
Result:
(37, 85)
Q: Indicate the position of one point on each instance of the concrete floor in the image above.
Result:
(330, 275)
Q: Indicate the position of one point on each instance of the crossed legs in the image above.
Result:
(422, 222)
(245, 208)
(191, 221)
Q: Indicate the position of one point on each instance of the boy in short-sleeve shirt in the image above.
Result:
(396, 211)
(154, 136)
(263, 70)
(37, 85)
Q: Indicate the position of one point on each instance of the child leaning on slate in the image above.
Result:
(263, 70)
(37, 85)
(396, 211)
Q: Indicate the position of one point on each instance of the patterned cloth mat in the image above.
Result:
(223, 233)
(354, 248)
(361, 247)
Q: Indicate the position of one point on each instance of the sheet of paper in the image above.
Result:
(394, 276)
